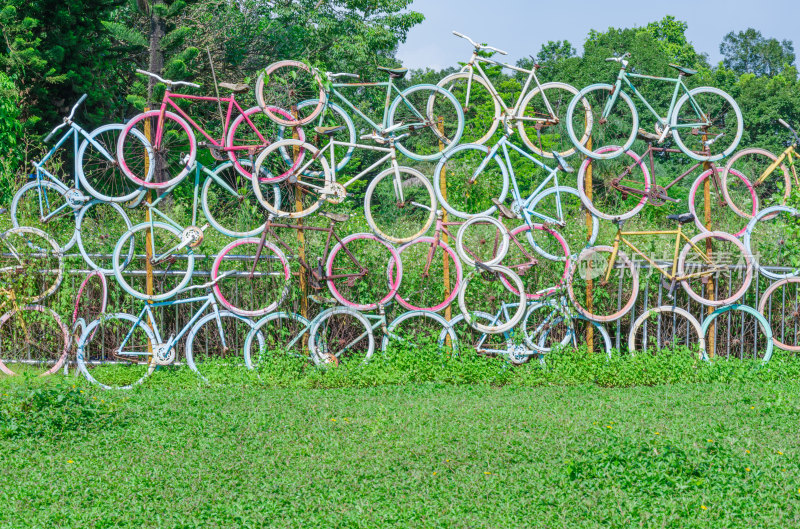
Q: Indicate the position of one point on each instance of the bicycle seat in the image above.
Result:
(683, 218)
(336, 217)
(330, 131)
(238, 88)
(394, 73)
(504, 210)
(688, 72)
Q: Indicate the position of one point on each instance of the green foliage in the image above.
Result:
(10, 133)
(671, 35)
(750, 52)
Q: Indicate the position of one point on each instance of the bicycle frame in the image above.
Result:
(671, 276)
(390, 88)
(789, 154)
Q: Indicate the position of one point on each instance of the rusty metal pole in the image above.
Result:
(446, 264)
(710, 345)
(301, 236)
(589, 280)
(148, 238)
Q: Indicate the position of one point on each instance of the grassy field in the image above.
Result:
(542, 450)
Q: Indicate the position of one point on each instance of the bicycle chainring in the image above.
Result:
(193, 236)
(657, 196)
(163, 354)
(335, 193)
(75, 199)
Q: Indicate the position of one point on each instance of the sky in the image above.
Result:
(520, 27)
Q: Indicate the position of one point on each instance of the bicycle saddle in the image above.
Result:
(683, 218)
(394, 73)
(504, 210)
(688, 72)
(238, 88)
(336, 217)
(330, 131)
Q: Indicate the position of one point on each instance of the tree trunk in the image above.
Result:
(158, 28)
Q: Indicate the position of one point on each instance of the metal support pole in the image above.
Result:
(148, 238)
(589, 281)
(301, 236)
(446, 264)
(710, 286)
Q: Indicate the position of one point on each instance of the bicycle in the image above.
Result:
(698, 120)
(354, 268)
(665, 332)
(539, 111)
(478, 182)
(613, 279)
(174, 145)
(399, 202)
(780, 304)
(119, 351)
(55, 206)
(622, 186)
(296, 86)
(766, 173)
(33, 338)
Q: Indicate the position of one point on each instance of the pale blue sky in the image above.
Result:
(520, 27)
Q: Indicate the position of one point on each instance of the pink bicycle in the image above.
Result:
(175, 145)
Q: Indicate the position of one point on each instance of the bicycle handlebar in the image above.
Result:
(621, 59)
(332, 75)
(479, 46)
(66, 119)
(166, 81)
(782, 122)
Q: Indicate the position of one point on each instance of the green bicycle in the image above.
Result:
(705, 122)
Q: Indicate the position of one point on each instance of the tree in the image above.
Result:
(671, 36)
(749, 52)
(555, 51)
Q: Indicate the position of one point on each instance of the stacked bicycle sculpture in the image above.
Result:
(524, 269)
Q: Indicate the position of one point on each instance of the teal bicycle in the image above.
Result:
(705, 122)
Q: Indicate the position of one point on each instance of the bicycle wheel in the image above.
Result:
(724, 260)
(98, 169)
(467, 194)
(173, 153)
(577, 234)
(723, 214)
(489, 294)
(595, 297)
(508, 344)
(481, 109)
(229, 202)
(356, 271)
(341, 335)
(49, 208)
(90, 302)
(99, 226)
(410, 109)
(620, 186)
(547, 326)
(172, 267)
(33, 340)
(400, 206)
(416, 329)
(765, 240)
(749, 337)
(114, 351)
(758, 189)
(429, 290)
(250, 133)
(707, 124)
(255, 286)
(544, 131)
(780, 305)
(301, 193)
(31, 264)
(215, 345)
(482, 239)
(542, 277)
(284, 334)
(618, 129)
(665, 327)
(284, 85)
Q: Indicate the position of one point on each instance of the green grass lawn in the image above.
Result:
(722, 454)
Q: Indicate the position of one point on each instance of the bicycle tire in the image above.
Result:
(196, 362)
(45, 351)
(537, 337)
(749, 164)
(171, 233)
(670, 331)
(120, 188)
(82, 226)
(499, 253)
(559, 106)
(772, 213)
(788, 313)
(99, 302)
(274, 293)
(276, 341)
(426, 147)
(342, 153)
(94, 368)
(19, 260)
(419, 199)
(179, 161)
(25, 212)
(461, 158)
(724, 121)
(472, 113)
(580, 239)
(617, 288)
(537, 280)
(590, 204)
(762, 322)
(283, 97)
(512, 321)
(424, 283)
(331, 270)
(325, 350)
(691, 285)
(617, 128)
(695, 193)
(438, 320)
